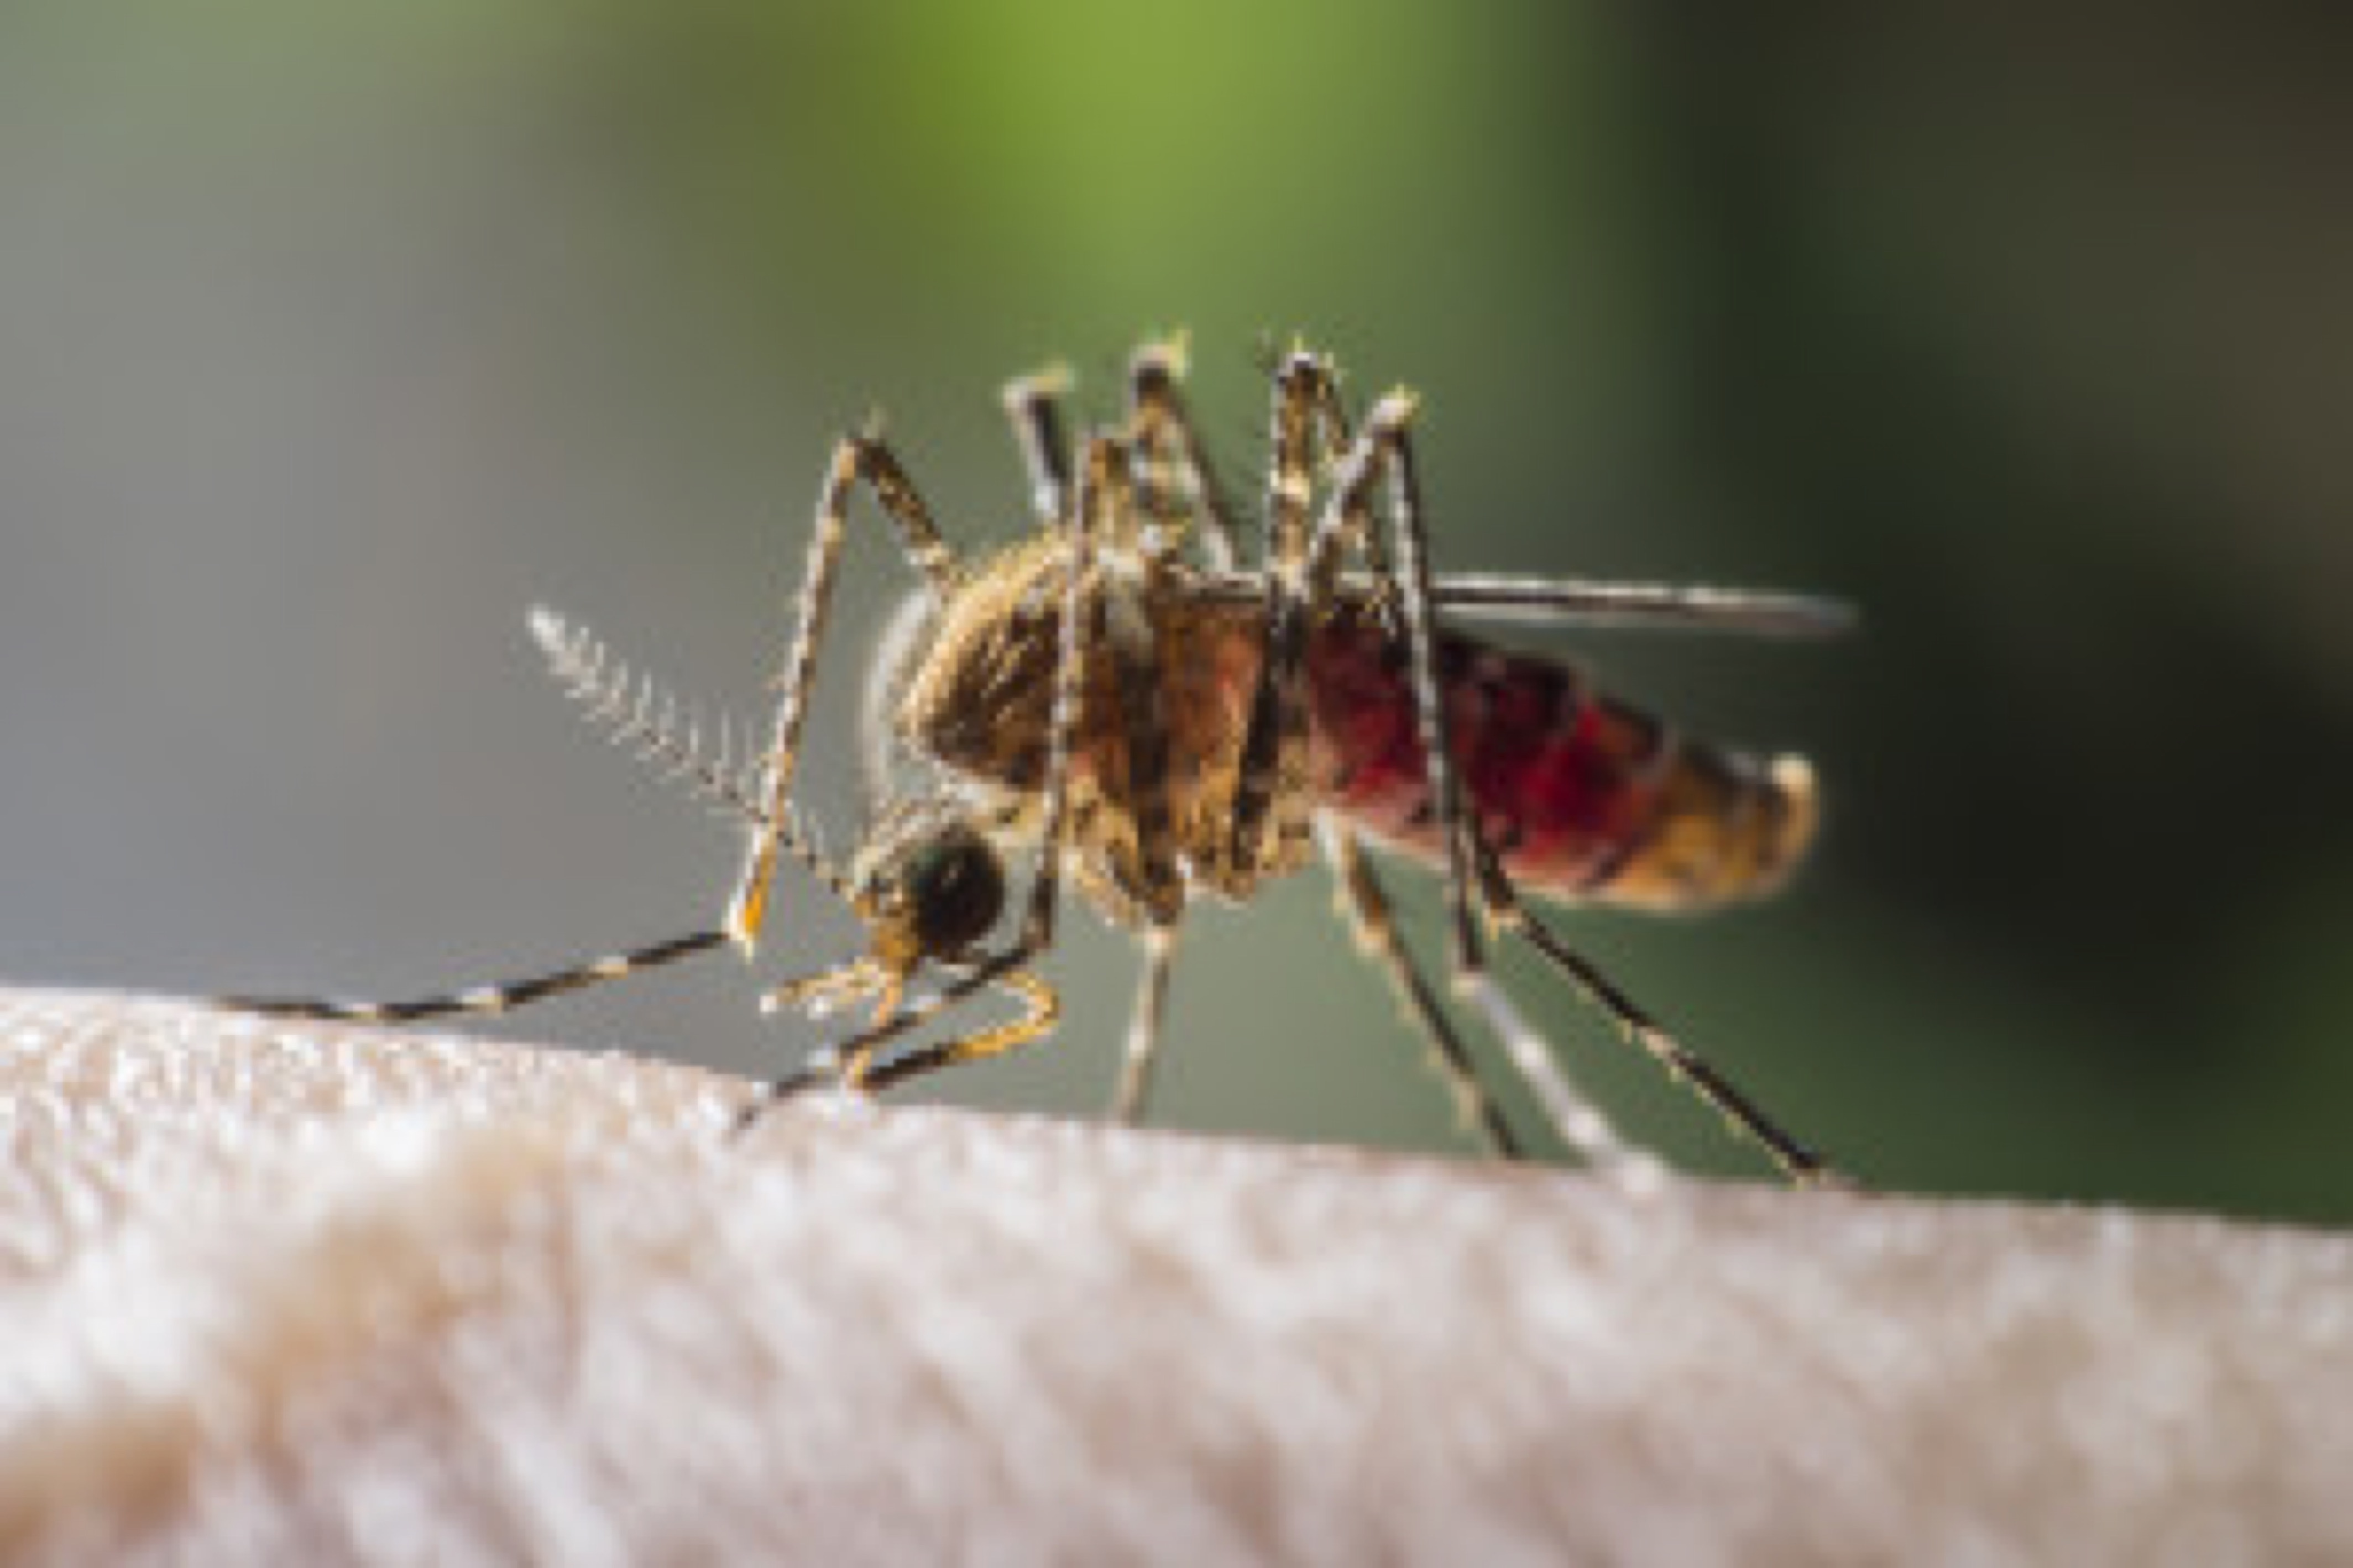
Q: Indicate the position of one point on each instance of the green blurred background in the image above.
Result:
(332, 337)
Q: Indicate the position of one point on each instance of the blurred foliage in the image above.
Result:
(2031, 334)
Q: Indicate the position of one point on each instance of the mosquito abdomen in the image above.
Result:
(1583, 796)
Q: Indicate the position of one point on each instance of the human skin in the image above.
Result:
(289, 1292)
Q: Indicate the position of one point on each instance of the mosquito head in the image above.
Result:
(931, 885)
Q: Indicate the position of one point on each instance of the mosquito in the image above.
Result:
(1116, 699)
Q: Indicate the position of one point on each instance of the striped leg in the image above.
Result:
(857, 459)
(1069, 684)
(854, 1063)
(1143, 1053)
(1034, 405)
(1473, 871)
(1363, 903)
(1385, 443)
(1300, 571)
(1131, 645)
(632, 711)
(1131, 642)
(1270, 801)
(500, 997)
(1175, 483)
(1383, 450)
(1801, 1165)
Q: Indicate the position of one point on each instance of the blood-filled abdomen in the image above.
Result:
(1583, 796)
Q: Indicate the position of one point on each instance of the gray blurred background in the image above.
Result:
(332, 337)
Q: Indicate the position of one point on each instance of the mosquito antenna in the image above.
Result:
(634, 712)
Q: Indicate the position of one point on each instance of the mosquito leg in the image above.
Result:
(1350, 514)
(1274, 781)
(1130, 643)
(1300, 577)
(862, 458)
(1383, 450)
(1801, 1165)
(1575, 1120)
(1038, 1018)
(1142, 1054)
(852, 1065)
(1347, 522)
(1365, 904)
(1172, 467)
(1153, 877)
(1385, 432)
(1034, 404)
(1006, 970)
(1100, 490)
(502, 997)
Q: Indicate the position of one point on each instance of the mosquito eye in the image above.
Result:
(955, 888)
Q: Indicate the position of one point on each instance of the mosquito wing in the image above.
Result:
(1573, 600)
(1581, 602)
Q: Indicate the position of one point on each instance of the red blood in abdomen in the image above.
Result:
(1560, 780)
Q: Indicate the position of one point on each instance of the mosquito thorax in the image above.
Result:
(977, 691)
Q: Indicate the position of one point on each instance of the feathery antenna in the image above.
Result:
(648, 718)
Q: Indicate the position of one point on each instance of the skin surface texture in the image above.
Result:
(302, 1291)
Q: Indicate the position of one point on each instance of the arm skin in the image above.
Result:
(280, 1293)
